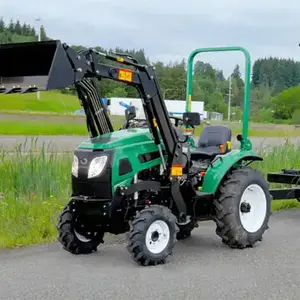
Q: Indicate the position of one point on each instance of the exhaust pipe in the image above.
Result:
(34, 66)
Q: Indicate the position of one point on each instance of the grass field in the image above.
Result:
(12, 124)
(34, 189)
(50, 102)
(51, 115)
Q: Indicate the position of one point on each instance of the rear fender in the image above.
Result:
(222, 164)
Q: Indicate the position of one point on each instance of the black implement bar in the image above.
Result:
(285, 194)
(286, 176)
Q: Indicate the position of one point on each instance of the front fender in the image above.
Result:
(222, 164)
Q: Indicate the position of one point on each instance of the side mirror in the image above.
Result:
(108, 102)
(191, 118)
(130, 113)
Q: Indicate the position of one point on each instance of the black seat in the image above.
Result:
(213, 140)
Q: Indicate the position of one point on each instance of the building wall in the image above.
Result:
(173, 106)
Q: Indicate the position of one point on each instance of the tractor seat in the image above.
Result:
(214, 140)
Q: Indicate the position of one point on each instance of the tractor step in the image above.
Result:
(287, 176)
(204, 196)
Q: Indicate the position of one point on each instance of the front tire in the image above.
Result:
(73, 238)
(243, 208)
(152, 235)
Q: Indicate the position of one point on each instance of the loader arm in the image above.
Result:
(49, 65)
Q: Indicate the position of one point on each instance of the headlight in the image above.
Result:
(97, 165)
(75, 166)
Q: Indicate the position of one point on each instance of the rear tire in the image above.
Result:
(71, 236)
(243, 208)
(152, 235)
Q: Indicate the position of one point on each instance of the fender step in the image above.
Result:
(204, 196)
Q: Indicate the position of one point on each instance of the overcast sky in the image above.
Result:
(170, 29)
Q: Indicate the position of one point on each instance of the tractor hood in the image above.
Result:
(117, 139)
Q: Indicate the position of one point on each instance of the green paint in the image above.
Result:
(126, 144)
(118, 138)
(245, 144)
(191, 142)
(132, 152)
(222, 164)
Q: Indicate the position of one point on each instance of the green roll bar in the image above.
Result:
(245, 142)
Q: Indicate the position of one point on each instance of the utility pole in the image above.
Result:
(229, 98)
(39, 39)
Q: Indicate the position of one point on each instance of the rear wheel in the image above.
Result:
(74, 237)
(243, 208)
(152, 235)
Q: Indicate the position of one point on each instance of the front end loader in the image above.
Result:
(149, 182)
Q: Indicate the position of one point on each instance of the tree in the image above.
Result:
(204, 70)
(18, 28)
(2, 25)
(25, 30)
(256, 73)
(215, 103)
(220, 75)
(117, 92)
(11, 26)
(236, 74)
(278, 74)
(32, 31)
(43, 34)
(285, 104)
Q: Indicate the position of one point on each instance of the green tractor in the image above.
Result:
(148, 182)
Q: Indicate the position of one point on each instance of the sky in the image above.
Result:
(169, 30)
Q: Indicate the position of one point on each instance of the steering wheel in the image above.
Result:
(177, 120)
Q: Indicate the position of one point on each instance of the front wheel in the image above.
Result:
(152, 235)
(243, 208)
(73, 236)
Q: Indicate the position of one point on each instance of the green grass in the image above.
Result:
(75, 125)
(34, 189)
(54, 102)
(38, 127)
(47, 126)
(280, 157)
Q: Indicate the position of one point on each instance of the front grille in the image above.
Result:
(101, 190)
(98, 187)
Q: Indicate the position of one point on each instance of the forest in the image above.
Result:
(275, 90)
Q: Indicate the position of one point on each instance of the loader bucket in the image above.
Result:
(29, 67)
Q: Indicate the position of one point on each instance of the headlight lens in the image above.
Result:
(97, 165)
(75, 166)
